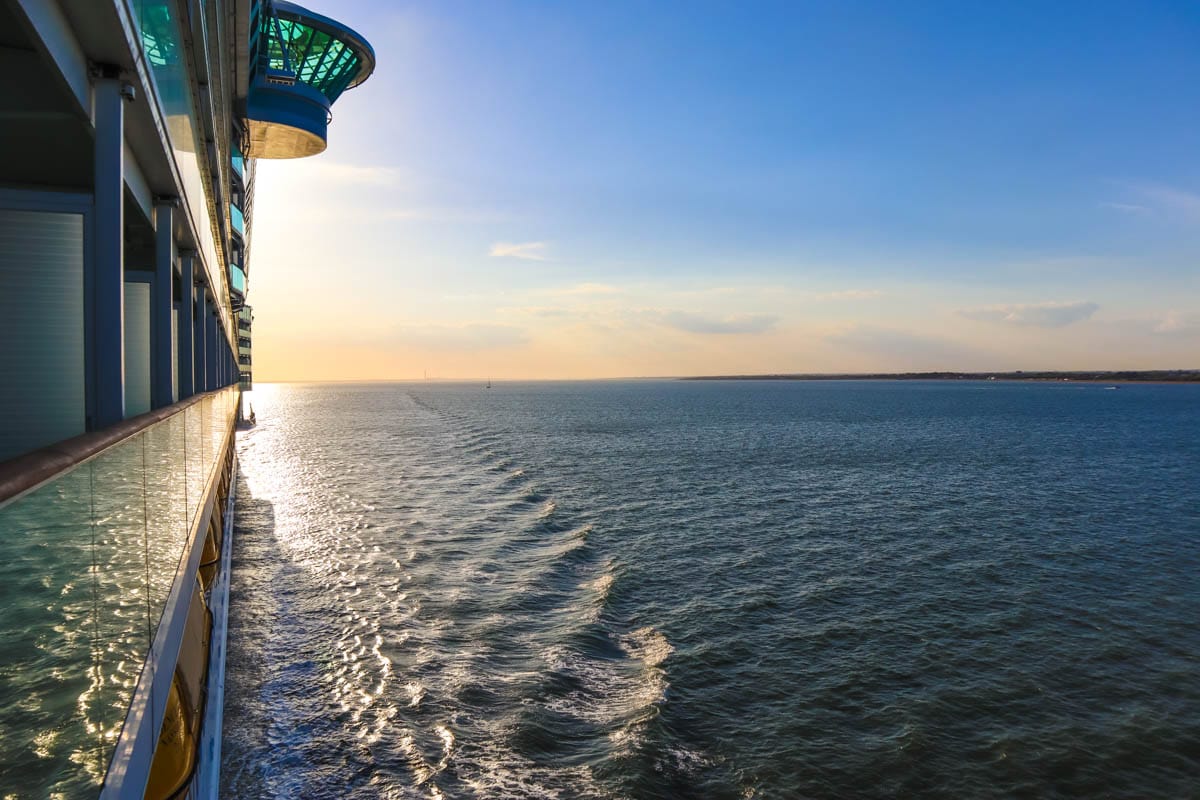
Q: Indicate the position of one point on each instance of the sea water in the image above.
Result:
(672, 589)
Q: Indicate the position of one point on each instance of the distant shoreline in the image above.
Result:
(1123, 376)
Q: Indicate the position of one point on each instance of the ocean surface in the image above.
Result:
(668, 589)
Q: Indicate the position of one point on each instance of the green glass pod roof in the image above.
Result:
(323, 53)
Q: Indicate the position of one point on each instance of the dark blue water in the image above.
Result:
(717, 590)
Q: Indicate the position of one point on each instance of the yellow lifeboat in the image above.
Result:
(175, 755)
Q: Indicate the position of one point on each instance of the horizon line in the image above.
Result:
(865, 375)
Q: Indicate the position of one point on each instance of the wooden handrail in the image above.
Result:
(25, 472)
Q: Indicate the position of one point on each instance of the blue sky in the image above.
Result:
(617, 189)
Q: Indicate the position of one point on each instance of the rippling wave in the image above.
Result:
(673, 590)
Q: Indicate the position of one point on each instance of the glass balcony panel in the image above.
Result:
(119, 586)
(193, 458)
(237, 278)
(238, 219)
(48, 643)
(166, 508)
(216, 430)
(87, 562)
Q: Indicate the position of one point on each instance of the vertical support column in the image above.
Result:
(212, 348)
(108, 255)
(219, 344)
(187, 322)
(202, 352)
(214, 345)
(161, 389)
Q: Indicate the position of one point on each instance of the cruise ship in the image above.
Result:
(129, 133)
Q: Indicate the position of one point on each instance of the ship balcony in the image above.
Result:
(244, 359)
(237, 219)
(301, 63)
(237, 279)
(239, 161)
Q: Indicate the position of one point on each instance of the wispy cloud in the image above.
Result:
(333, 172)
(899, 350)
(693, 322)
(529, 251)
(406, 214)
(590, 288)
(461, 338)
(373, 215)
(1179, 322)
(1038, 315)
(547, 312)
(1157, 200)
(849, 294)
(1176, 201)
(1128, 208)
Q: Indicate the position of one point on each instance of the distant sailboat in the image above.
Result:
(489, 383)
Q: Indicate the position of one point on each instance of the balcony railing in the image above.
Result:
(93, 533)
(238, 219)
(239, 161)
(237, 279)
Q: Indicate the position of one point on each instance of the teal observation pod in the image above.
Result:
(300, 63)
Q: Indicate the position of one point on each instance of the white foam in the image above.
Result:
(648, 645)
(613, 693)
(681, 759)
